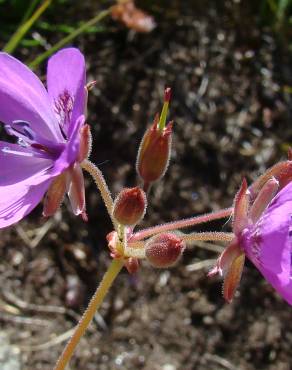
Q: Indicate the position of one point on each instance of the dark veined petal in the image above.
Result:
(66, 84)
(23, 97)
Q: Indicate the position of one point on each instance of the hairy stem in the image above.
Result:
(208, 236)
(94, 304)
(135, 250)
(181, 224)
(97, 175)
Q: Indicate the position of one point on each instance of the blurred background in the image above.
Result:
(229, 66)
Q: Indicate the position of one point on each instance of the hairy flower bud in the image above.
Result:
(154, 151)
(164, 250)
(130, 206)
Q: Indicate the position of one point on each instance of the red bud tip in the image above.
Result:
(130, 206)
(167, 95)
(164, 250)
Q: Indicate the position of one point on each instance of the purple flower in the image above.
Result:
(49, 132)
(263, 232)
(268, 243)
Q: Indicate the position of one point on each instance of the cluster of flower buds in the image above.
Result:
(163, 249)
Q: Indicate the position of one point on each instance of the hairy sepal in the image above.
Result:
(232, 278)
(241, 206)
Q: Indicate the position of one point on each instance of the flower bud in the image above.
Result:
(164, 250)
(130, 206)
(154, 151)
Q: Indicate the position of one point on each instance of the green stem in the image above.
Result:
(88, 315)
(69, 38)
(24, 27)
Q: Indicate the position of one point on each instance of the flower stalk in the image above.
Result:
(208, 236)
(99, 180)
(188, 222)
(88, 315)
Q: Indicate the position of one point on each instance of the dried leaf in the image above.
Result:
(132, 17)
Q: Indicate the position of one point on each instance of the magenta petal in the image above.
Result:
(66, 75)
(19, 199)
(269, 244)
(23, 97)
(18, 163)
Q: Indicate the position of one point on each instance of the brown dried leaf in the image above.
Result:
(132, 17)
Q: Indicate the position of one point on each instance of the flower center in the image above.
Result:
(28, 138)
